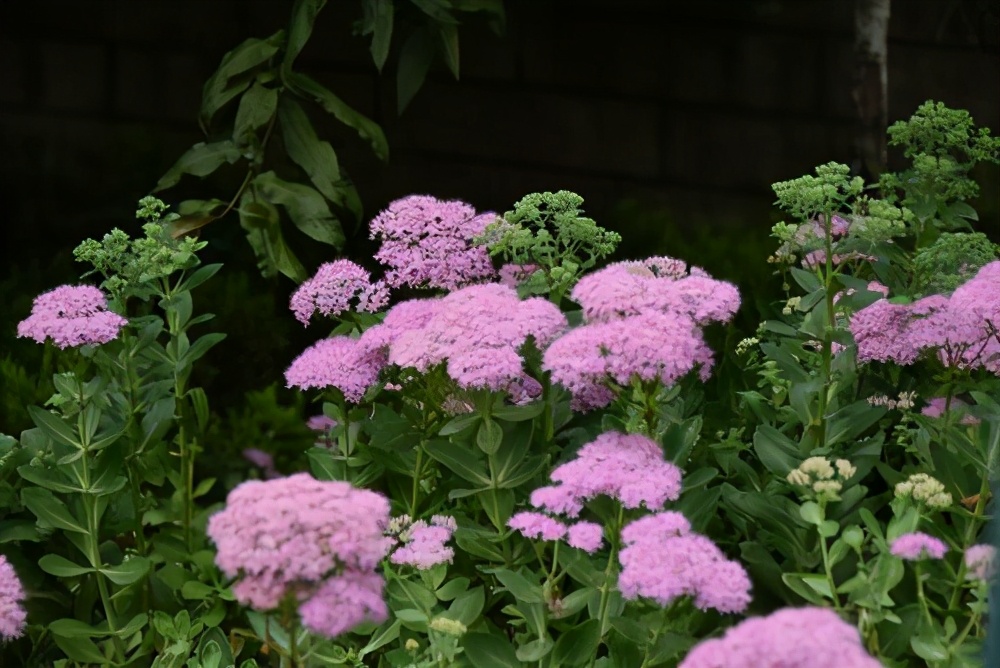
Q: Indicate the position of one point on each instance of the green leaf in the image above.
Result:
(485, 650)
(50, 510)
(51, 479)
(303, 17)
(129, 571)
(82, 650)
(414, 62)
(315, 157)
(385, 635)
(467, 606)
(519, 413)
(813, 587)
(201, 346)
(199, 276)
(776, 452)
(18, 530)
(811, 512)
(200, 160)
(416, 595)
(260, 221)
(519, 586)
(435, 9)
(74, 628)
(367, 129)
(448, 32)
(220, 87)
(489, 437)
(460, 460)
(54, 427)
(53, 564)
(534, 651)
(257, 107)
(382, 31)
(306, 207)
(578, 645)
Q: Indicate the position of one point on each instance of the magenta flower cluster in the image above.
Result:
(71, 316)
(314, 543)
(935, 408)
(980, 562)
(629, 468)
(663, 560)
(917, 546)
(427, 242)
(340, 362)
(644, 320)
(477, 331)
(961, 329)
(12, 614)
(790, 638)
(332, 289)
(423, 543)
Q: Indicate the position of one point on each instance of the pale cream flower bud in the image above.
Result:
(845, 469)
(827, 487)
(818, 467)
(447, 626)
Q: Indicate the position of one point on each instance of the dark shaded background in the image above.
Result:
(672, 119)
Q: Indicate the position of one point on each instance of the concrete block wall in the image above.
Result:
(694, 106)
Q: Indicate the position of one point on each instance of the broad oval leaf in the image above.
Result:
(306, 207)
(257, 107)
(200, 160)
(221, 88)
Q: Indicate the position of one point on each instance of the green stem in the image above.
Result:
(417, 475)
(970, 536)
(828, 335)
(608, 570)
(920, 593)
(828, 569)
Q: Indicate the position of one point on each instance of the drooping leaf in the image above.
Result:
(195, 214)
(414, 62)
(485, 650)
(128, 571)
(61, 567)
(50, 510)
(448, 33)
(260, 221)
(367, 129)
(304, 14)
(306, 207)
(578, 645)
(235, 73)
(381, 31)
(317, 158)
(200, 160)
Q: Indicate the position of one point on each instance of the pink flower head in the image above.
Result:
(333, 287)
(916, 546)
(661, 284)
(935, 408)
(663, 561)
(336, 362)
(980, 562)
(537, 525)
(12, 615)
(477, 331)
(424, 544)
(427, 242)
(651, 346)
(343, 602)
(512, 275)
(291, 535)
(960, 329)
(321, 423)
(628, 468)
(791, 638)
(71, 315)
(586, 536)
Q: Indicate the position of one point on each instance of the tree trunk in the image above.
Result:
(871, 96)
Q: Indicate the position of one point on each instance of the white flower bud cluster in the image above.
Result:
(822, 477)
(904, 402)
(791, 305)
(451, 627)
(924, 489)
(746, 344)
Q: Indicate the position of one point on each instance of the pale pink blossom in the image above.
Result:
(537, 525)
(343, 602)
(980, 562)
(337, 362)
(423, 545)
(586, 536)
(332, 289)
(917, 546)
(12, 614)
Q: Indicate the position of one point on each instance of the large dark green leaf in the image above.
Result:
(257, 107)
(778, 453)
(306, 207)
(260, 221)
(303, 18)
(414, 62)
(50, 510)
(485, 650)
(315, 157)
(199, 160)
(365, 127)
(381, 31)
(578, 645)
(460, 460)
(448, 33)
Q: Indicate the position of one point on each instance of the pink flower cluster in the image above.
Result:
(340, 362)
(583, 535)
(427, 242)
(626, 467)
(423, 544)
(317, 541)
(12, 614)
(333, 287)
(663, 284)
(935, 408)
(71, 315)
(643, 320)
(790, 638)
(917, 546)
(477, 331)
(980, 562)
(961, 329)
(663, 560)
